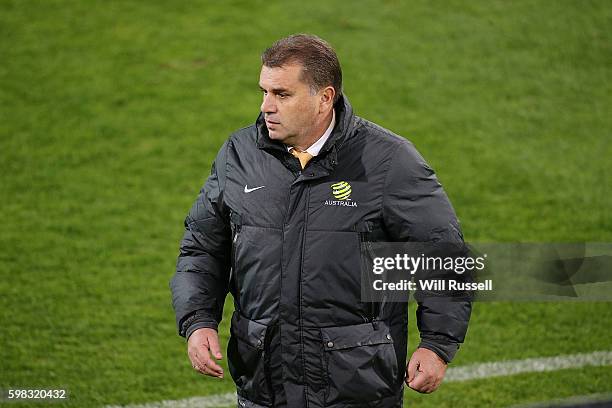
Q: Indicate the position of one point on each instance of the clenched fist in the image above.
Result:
(425, 371)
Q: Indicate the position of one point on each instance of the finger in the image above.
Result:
(202, 356)
(431, 374)
(195, 362)
(195, 354)
(203, 366)
(210, 363)
(213, 342)
(420, 382)
(210, 372)
(205, 359)
(202, 369)
(201, 361)
(429, 386)
(434, 386)
(436, 383)
(411, 370)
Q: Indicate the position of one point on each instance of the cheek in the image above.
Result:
(294, 116)
(298, 114)
(304, 114)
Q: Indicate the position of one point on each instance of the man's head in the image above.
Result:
(301, 80)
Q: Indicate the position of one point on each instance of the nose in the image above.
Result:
(268, 105)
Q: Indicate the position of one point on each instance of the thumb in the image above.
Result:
(411, 370)
(213, 343)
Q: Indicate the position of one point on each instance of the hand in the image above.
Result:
(425, 371)
(201, 345)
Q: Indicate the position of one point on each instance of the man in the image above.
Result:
(281, 223)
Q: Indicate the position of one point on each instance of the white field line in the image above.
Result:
(529, 365)
(453, 374)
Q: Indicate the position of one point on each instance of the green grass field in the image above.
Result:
(112, 112)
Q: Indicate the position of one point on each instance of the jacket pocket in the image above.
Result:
(246, 357)
(360, 361)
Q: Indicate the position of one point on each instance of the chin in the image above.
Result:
(276, 135)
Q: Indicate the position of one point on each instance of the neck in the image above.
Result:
(315, 133)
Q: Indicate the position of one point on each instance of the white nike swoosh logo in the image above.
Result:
(248, 190)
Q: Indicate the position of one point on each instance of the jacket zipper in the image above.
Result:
(234, 240)
(364, 239)
(236, 227)
(300, 288)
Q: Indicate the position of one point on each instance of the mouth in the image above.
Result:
(271, 122)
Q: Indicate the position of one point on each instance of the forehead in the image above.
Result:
(287, 76)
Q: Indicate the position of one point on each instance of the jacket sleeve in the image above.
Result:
(201, 281)
(416, 209)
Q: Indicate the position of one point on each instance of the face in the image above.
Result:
(290, 107)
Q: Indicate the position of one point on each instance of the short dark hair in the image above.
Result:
(320, 65)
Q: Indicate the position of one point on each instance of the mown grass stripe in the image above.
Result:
(530, 365)
(219, 400)
(590, 400)
(453, 374)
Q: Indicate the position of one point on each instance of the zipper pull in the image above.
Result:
(236, 232)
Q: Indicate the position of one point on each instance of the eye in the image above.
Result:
(282, 95)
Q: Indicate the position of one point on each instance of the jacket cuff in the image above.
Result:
(446, 351)
(199, 325)
(197, 320)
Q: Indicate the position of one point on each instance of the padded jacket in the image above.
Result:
(288, 244)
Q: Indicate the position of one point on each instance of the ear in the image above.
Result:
(326, 99)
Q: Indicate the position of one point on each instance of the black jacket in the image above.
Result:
(290, 255)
